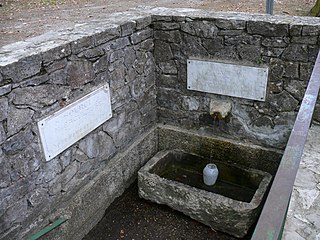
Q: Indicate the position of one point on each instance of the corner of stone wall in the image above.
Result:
(288, 46)
(44, 74)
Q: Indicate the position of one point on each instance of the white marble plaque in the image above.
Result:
(227, 79)
(68, 125)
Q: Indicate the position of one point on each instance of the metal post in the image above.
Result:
(269, 6)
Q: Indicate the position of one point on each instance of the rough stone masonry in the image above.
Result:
(142, 56)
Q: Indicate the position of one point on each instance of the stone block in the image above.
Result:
(116, 44)
(141, 35)
(28, 67)
(4, 107)
(305, 71)
(5, 89)
(295, 88)
(312, 53)
(250, 53)
(204, 29)
(268, 29)
(168, 36)
(18, 142)
(65, 158)
(166, 26)
(102, 64)
(127, 28)
(38, 197)
(168, 67)
(167, 81)
(58, 77)
(116, 55)
(130, 54)
(190, 103)
(82, 44)
(272, 52)
(113, 31)
(116, 75)
(191, 46)
(56, 65)
(40, 96)
(168, 98)
(230, 24)
(296, 53)
(79, 72)
(143, 22)
(276, 70)
(242, 39)
(56, 53)
(162, 51)
(91, 53)
(161, 18)
(33, 81)
(310, 40)
(279, 42)
(213, 45)
(275, 87)
(283, 102)
(48, 171)
(146, 45)
(230, 32)
(120, 97)
(291, 70)
(295, 30)
(97, 145)
(18, 119)
(310, 30)
(264, 121)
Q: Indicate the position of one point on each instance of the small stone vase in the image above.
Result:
(210, 174)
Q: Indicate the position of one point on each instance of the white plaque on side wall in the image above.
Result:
(68, 125)
(227, 79)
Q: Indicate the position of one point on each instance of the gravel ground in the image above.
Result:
(21, 19)
(130, 217)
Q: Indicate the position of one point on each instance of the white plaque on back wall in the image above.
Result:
(68, 125)
(227, 79)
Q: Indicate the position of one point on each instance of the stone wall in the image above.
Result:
(287, 45)
(36, 82)
(142, 55)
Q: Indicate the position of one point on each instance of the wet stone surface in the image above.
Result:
(130, 217)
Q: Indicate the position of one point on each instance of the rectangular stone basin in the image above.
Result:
(232, 205)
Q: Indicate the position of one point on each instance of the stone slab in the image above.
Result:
(68, 125)
(227, 79)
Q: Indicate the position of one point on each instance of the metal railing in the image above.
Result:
(271, 222)
(269, 6)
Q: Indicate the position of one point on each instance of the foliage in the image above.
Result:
(315, 11)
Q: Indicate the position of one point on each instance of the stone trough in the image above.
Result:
(232, 205)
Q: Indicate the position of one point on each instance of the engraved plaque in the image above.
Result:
(227, 79)
(68, 125)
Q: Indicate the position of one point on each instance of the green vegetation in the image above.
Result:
(315, 11)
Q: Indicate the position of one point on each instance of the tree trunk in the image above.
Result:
(315, 11)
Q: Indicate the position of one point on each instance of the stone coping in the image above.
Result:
(112, 26)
